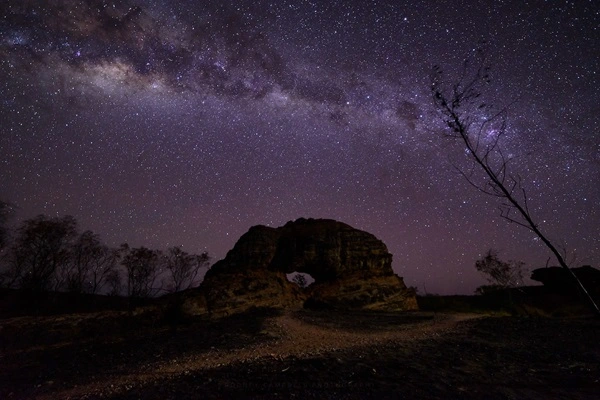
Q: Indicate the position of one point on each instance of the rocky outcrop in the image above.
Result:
(352, 270)
(559, 280)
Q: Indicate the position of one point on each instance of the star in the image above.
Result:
(188, 122)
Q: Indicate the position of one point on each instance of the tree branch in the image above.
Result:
(457, 117)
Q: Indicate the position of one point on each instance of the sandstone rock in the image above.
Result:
(352, 270)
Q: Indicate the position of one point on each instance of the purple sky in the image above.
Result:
(166, 123)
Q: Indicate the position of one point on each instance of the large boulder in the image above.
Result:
(560, 280)
(352, 269)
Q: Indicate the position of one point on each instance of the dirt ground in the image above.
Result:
(269, 354)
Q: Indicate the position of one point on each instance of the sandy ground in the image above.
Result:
(300, 354)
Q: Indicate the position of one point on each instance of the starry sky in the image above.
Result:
(163, 123)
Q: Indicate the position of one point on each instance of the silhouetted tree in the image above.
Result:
(114, 283)
(41, 247)
(501, 274)
(184, 268)
(142, 268)
(479, 127)
(89, 265)
(102, 266)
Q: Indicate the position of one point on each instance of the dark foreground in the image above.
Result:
(269, 354)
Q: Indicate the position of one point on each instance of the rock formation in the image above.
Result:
(559, 280)
(352, 270)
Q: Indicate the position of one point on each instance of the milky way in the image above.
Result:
(166, 123)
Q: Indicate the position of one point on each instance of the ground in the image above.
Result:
(273, 354)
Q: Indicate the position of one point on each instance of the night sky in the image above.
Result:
(163, 123)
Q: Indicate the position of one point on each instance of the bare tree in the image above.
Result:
(41, 248)
(103, 266)
(90, 264)
(503, 274)
(480, 128)
(114, 282)
(142, 266)
(184, 268)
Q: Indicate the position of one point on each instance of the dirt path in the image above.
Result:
(291, 336)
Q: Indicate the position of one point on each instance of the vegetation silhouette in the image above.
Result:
(49, 254)
(480, 127)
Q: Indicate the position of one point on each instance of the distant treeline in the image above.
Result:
(51, 254)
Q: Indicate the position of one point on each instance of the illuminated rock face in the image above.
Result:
(352, 270)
